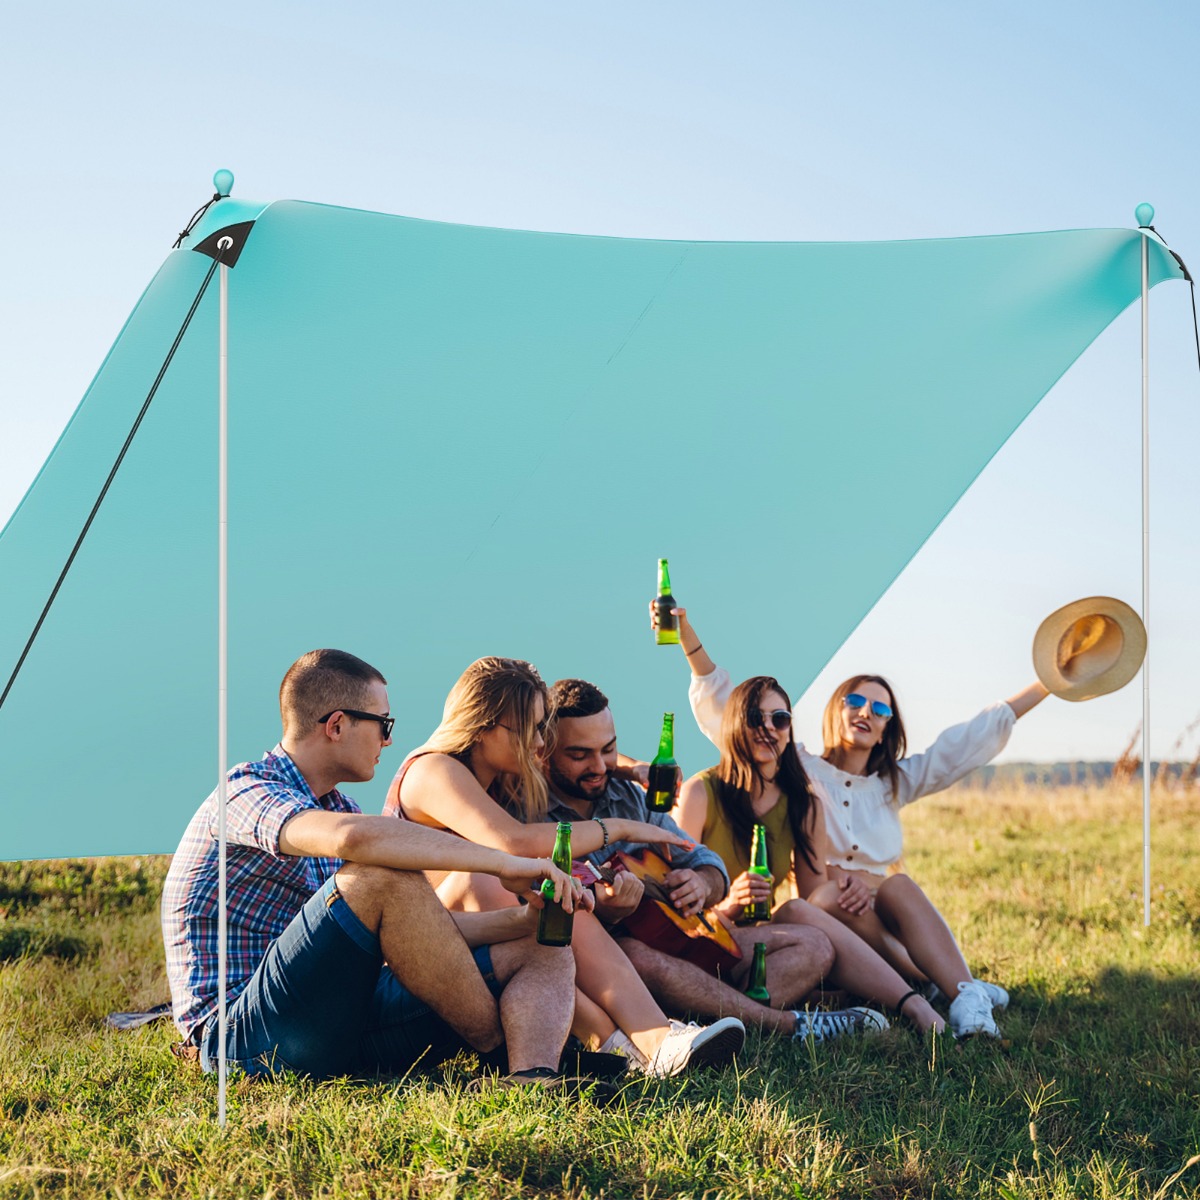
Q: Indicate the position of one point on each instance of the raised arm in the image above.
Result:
(689, 642)
(439, 790)
(1027, 698)
(954, 752)
(709, 690)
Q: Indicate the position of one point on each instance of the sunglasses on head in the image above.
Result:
(856, 700)
(778, 718)
(385, 723)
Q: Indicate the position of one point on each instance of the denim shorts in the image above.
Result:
(323, 1003)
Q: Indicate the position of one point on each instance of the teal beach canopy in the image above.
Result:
(449, 441)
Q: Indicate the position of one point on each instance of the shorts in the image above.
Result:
(323, 1003)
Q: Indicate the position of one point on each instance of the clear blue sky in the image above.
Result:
(685, 120)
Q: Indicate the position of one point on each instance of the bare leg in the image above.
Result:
(871, 929)
(423, 947)
(537, 1003)
(592, 1025)
(608, 991)
(857, 967)
(908, 913)
(796, 961)
(606, 976)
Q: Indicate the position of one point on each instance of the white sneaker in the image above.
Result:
(971, 1011)
(692, 1045)
(619, 1043)
(997, 995)
(841, 1022)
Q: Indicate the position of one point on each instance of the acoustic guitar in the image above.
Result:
(702, 939)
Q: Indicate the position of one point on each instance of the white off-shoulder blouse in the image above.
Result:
(862, 814)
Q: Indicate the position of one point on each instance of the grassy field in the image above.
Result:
(1095, 1091)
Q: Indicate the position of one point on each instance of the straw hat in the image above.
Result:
(1089, 648)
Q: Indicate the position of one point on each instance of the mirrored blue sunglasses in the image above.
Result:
(856, 700)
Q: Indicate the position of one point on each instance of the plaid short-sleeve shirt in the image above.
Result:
(266, 889)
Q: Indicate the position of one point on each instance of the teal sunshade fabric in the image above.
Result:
(450, 441)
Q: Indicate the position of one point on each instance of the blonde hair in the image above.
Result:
(498, 691)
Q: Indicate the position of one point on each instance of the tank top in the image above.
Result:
(719, 837)
(394, 806)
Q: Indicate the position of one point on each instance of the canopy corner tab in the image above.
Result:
(237, 234)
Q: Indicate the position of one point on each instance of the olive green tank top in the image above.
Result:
(781, 846)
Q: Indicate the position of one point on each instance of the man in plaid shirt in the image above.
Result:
(341, 958)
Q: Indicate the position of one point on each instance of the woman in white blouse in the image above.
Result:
(863, 780)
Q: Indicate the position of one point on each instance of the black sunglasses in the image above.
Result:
(385, 723)
(778, 718)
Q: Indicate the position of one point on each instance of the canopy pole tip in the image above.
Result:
(223, 182)
(1143, 214)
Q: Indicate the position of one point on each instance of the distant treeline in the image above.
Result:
(1065, 774)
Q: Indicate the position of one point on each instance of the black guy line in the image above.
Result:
(111, 476)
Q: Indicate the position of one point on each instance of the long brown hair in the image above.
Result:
(490, 692)
(885, 757)
(740, 776)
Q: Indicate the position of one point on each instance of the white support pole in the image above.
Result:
(1146, 761)
(222, 674)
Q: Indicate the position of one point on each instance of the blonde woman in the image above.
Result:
(478, 775)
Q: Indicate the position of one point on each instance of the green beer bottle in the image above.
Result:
(664, 770)
(759, 865)
(554, 923)
(758, 976)
(667, 633)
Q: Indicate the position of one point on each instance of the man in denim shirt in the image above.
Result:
(582, 768)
